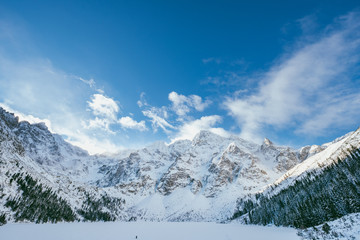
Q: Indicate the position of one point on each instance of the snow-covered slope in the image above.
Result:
(332, 152)
(324, 187)
(26, 168)
(347, 227)
(198, 180)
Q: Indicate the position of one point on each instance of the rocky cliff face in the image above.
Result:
(208, 164)
(187, 180)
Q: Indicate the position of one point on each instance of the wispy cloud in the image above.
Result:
(178, 109)
(230, 74)
(175, 121)
(128, 122)
(158, 118)
(226, 79)
(142, 101)
(91, 82)
(211, 60)
(334, 112)
(308, 24)
(309, 90)
(182, 104)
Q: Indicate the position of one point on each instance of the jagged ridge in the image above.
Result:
(198, 180)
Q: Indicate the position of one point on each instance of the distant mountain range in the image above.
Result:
(211, 178)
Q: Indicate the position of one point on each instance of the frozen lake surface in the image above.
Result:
(143, 231)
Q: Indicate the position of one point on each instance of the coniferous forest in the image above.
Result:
(311, 201)
(38, 203)
(93, 209)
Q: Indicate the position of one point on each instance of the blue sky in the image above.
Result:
(119, 74)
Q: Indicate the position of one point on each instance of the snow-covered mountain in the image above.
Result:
(314, 164)
(324, 187)
(198, 180)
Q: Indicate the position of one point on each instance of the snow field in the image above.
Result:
(144, 231)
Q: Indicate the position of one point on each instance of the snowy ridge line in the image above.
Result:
(198, 180)
(335, 150)
(312, 200)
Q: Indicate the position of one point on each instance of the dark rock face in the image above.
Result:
(285, 157)
(172, 181)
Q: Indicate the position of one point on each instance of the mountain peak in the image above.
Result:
(41, 125)
(203, 134)
(205, 137)
(158, 145)
(233, 148)
(9, 118)
(267, 142)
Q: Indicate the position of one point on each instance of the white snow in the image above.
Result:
(347, 227)
(198, 180)
(334, 150)
(143, 231)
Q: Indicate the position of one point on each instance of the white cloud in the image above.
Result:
(189, 129)
(93, 144)
(103, 106)
(158, 116)
(128, 122)
(105, 110)
(306, 89)
(142, 101)
(181, 104)
(99, 123)
(336, 112)
(91, 82)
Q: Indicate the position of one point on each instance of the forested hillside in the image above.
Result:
(313, 200)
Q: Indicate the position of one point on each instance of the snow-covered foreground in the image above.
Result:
(347, 227)
(143, 230)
